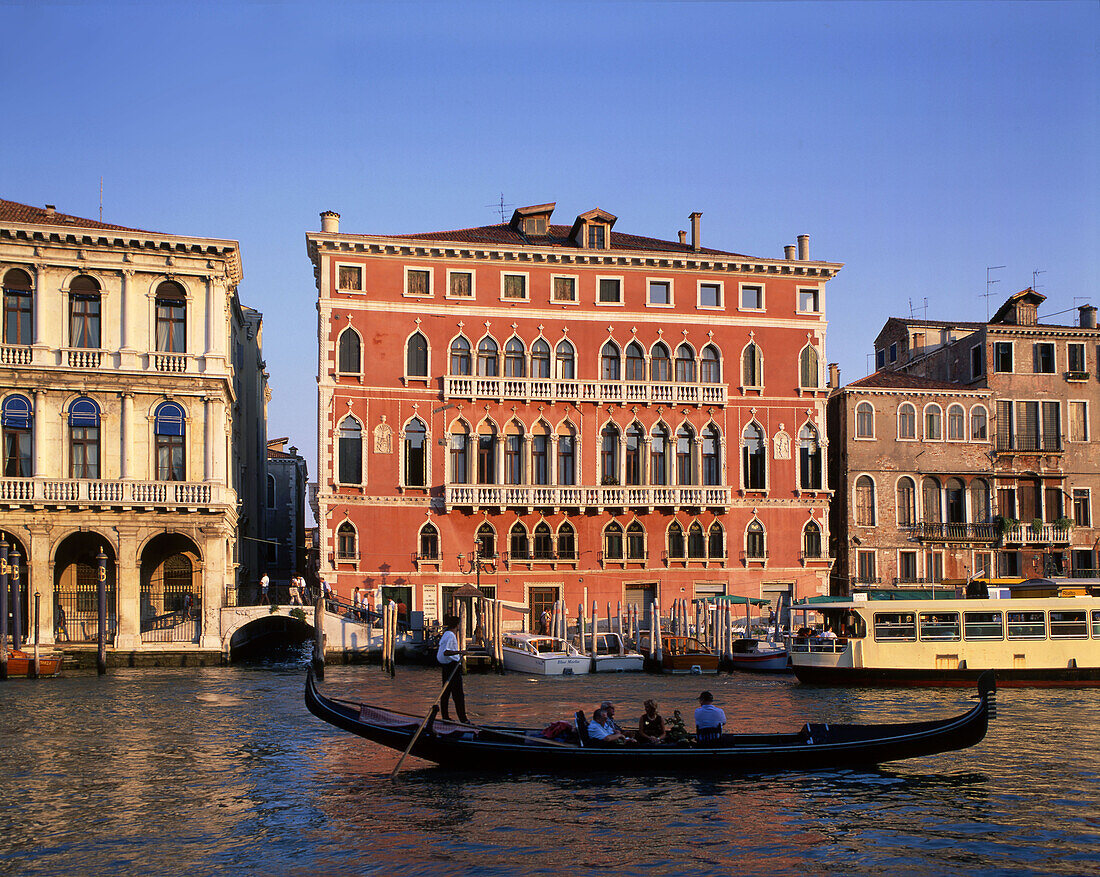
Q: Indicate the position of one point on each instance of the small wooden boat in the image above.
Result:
(612, 654)
(21, 662)
(513, 749)
(686, 654)
(759, 656)
(543, 656)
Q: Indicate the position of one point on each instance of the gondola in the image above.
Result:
(513, 749)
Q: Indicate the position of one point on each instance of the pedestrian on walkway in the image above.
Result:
(265, 583)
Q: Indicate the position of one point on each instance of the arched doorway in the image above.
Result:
(171, 590)
(75, 589)
(14, 545)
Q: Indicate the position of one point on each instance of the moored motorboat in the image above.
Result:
(612, 654)
(686, 654)
(543, 656)
(21, 662)
(759, 656)
(502, 748)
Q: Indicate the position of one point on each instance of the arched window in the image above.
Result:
(711, 366)
(565, 358)
(956, 424)
(675, 540)
(609, 454)
(809, 368)
(811, 540)
(543, 542)
(517, 542)
(660, 364)
(907, 421)
(635, 362)
(350, 462)
(635, 447)
(697, 545)
(84, 312)
(416, 457)
(84, 438)
(752, 366)
(271, 491)
(17, 418)
(716, 542)
(865, 501)
(658, 455)
(429, 542)
(488, 359)
(753, 458)
(613, 542)
(416, 356)
(345, 542)
(460, 356)
(486, 454)
(933, 423)
(755, 541)
(978, 424)
(18, 307)
(865, 420)
(809, 458)
(930, 494)
(635, 541)
(168, 430)
(685, 364)
(712, 456)
(487, 539)
(567, 542)
(609, 362)
(979, 501)
(955, 494)
(540, 359)
(460, 454)
(685, 455)
(513, 453)
(567, 456)
(515, 363)
(540, 454)
(349, 358)
(907, 502)
(171, 304)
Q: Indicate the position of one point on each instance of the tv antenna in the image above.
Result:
(501, 207)
(1035, 278)
(913, 310)
(101, 199)
(989, 287)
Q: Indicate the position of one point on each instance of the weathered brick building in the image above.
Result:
(612, 417)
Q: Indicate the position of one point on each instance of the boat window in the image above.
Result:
(1096, 623)
(1027, 625)
(1068, 625)
(939, 625)
(895, 626)
(984, 625)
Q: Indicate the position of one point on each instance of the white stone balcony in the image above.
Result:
(604, 496)
(1028, 534)
(89, 493)
(536, 389)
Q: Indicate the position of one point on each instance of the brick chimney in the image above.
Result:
(834, 376)
(788, 252)
(683, 236)
(50, 210)
(1088, 317)
(803, 248)
(696, 241)
(330, 221)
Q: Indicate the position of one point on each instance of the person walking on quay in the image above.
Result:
(265, 583)
(296, 591)
(450, 662)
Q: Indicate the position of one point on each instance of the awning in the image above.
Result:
(741, 601)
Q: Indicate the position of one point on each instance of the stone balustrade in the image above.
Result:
(95, 492)
(562, 390)
(611, 496)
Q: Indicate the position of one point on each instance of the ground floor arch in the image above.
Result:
(76, 587)
(19, 587)
(171, 596)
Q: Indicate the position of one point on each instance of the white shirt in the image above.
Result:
(265, 581)
(709, 716)
(598, 731)
(447, 643)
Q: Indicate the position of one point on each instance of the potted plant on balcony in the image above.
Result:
(1063, 523)
(1036, 526)
(609, 480)
(1008, 524)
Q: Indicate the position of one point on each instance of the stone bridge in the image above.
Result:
(342, 634)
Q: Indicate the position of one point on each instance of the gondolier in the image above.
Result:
(450, 660)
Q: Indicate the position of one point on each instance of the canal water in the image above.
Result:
(222, 771)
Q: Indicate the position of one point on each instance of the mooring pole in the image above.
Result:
(3, 609)
(319, 637)
(37, 667)
(101, 594)
(16, 600)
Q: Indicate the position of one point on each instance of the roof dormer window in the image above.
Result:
(597, 236)
(534, 225)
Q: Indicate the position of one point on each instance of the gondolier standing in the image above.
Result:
(450, 661)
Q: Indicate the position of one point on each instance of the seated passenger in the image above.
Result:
(600, 728)
(609, 710)
(709, 719)
(651, 727)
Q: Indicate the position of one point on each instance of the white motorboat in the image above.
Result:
(759, 656)
(543, 656)
(612, 654)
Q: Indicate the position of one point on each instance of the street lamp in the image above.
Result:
(478, 559)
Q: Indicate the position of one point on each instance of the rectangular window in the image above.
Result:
(660, 292)
(84, 321)
(880, 359)
(977, 361)
(1078, 422)
(809, 301)
(1096, 623)
(983, 563)
(752, 298)
(983, 625)
(894, 352)
(18, 311)
(895, 627)
(866, 567)
(939, 626)
(1075, 359)
(515, 287)
(418, 281)
(1027, 625)
(907, 566)
(565, 289)
(611, 290)
(1082, 507)
(1044, 358)
(1068, 625)
(350, 278)
(596, 237)
(933, 566)
(1052, 426)
(1002, 357)
(710, 295)
(460, 284)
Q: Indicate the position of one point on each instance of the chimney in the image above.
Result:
(696, 243)
(788, 252)
(834, 376)
(330, 221)
(50, 210)
(804, 248)
(1088, 317)
(683, 236)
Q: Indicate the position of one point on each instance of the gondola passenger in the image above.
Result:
(651, 726)
(709, 719)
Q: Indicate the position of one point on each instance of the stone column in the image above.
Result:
(209, 316)
(39, 310)
(128, 584)
(218, 443)
(40, 573)
(125, 442)
(42, 441)
(208, 438)
(214, 581)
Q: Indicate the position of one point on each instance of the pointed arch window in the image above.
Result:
(488, 358)
(712, 456)
(513, 454)
(609, 362)
(685, 364)
(907, 502)
(84, 312)
(675, 540)
(660, 365)
(350, 352)
(811, 540)
(979, 501)
(460, 454)
(613, 542)
(567, 456)
(429, 542)
(460, 356)
(711, 366)
(416, 456)
(487, 539)
(930, 496)
(752, 366)
(635, 362)
(416, 356)
(346, 542)
(809, 457)
(17, 419)
(753, 460)
(350, 452)
(697, 545)
(169, 427)
(635, 541)
(84, 438)
(865, 501)
(907, 422)
(486, 454)
(18, 307)
(517, 542)
(685, 455)
(609, 454)
(716, 547)
(540, 454)
(635, 448)
(567, 542)
(955, 494)
(755, 541)
(540, 359)
(809, 368)
(658, 455)
(171, 310)
(565, 360)
(515, 362)
(271, 491)
(543, 547)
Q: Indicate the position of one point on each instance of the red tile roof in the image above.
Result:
(25, 214)
(889, 380)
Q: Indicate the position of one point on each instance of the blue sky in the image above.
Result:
(917, 143)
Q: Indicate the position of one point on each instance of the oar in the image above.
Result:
(424, 723)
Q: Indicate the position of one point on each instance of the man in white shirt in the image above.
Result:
(448, 657)
(603, 729)
(709, 719)
(265, 583)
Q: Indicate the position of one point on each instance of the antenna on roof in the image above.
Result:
(1034, 278)
(101, 198)
(913, 310)
(989, 286)
(501, 207)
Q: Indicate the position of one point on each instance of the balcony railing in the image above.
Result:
(933, 532)
(15, 354)
(1028, 534)
(89, 359)
(614, 496)
(82, 358)
(533, 389)
(1029, 443)
(91, 492)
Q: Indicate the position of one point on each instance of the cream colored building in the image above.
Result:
(133, 408)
